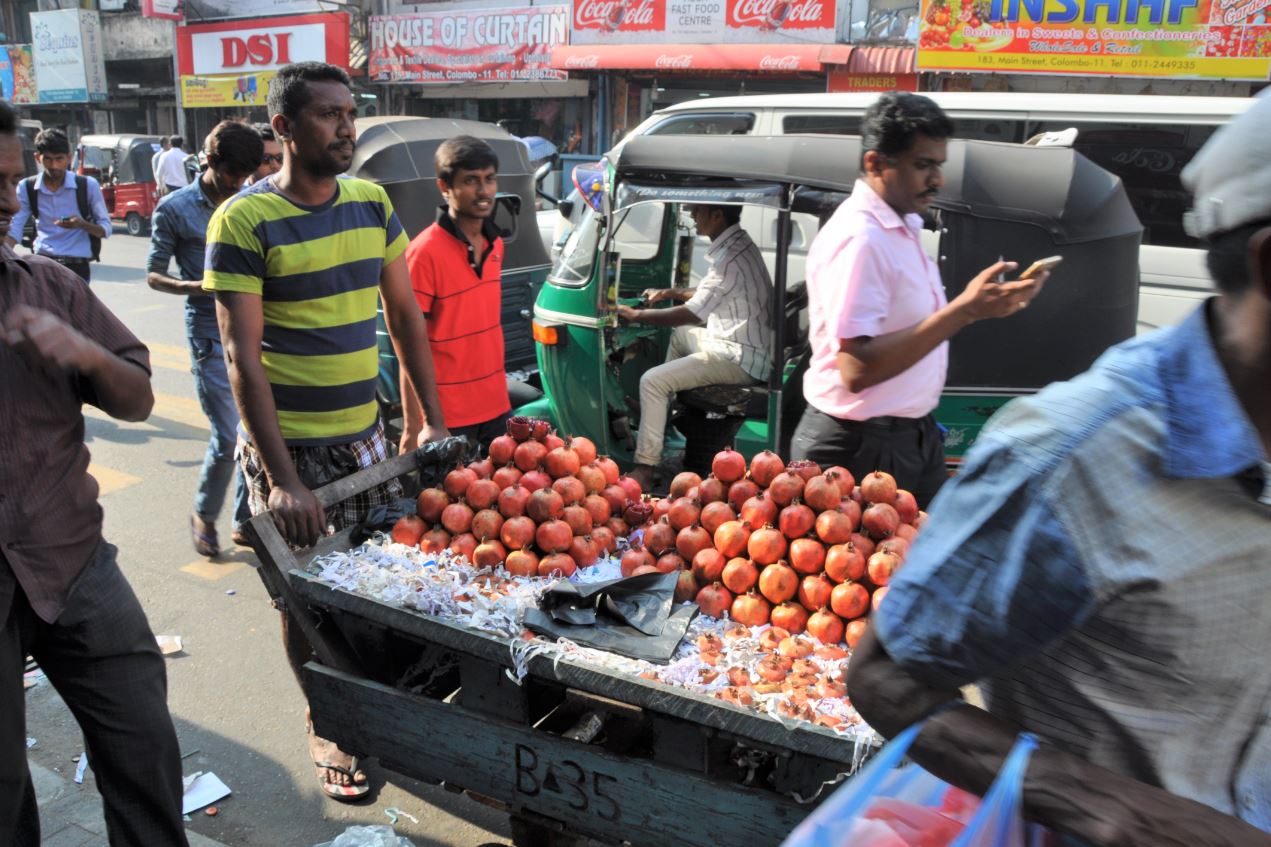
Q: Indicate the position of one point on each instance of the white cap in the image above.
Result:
(1230, 177)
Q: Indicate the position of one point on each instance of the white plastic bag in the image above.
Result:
(369, 836)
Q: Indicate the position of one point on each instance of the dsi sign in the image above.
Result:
(66, 49)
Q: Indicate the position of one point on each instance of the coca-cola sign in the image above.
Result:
(681, 62)
(582, 63)
(779, 63)
(620, 15)
(781, 14)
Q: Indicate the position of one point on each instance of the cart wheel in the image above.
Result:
(136, 224)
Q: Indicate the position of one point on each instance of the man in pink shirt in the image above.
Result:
(879, 321)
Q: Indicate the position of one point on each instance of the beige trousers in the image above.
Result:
(687, 366)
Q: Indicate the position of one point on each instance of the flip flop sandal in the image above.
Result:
(344, 793)
(204, 545)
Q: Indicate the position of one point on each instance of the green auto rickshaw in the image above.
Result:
(1022, 201)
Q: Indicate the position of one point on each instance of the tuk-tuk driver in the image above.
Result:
(723, 329)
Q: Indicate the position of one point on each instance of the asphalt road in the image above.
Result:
(238, 710)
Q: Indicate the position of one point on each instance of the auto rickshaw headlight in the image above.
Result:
(544, 334)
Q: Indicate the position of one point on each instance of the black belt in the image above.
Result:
(68, 260)
(889, 422)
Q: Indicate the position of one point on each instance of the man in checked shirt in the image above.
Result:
(1102, 567)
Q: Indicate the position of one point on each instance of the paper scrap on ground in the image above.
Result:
(81, 768)
(168, 644)
(203, 789)
(30, 742)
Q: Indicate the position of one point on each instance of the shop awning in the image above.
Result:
(772, 58)
(882, 60)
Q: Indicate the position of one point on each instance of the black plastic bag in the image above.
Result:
(632, 617)
(381, 519)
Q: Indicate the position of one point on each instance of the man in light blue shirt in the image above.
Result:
(62, 233)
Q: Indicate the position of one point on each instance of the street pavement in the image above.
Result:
(238, 710)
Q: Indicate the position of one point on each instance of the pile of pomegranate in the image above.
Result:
(803, 549)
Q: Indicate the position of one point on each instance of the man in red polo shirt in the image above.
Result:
(456, 267)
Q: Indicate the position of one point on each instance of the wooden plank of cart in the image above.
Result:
(572, 751)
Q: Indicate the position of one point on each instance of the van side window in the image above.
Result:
(1149, 158)
(989, 129)
(821, 124)
(731, 123)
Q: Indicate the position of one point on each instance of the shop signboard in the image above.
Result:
(1198, 39)
(206, 10)
(67, 56)
(840, 79)
(169, 10)
(230, 63)
(704, 21)
(512, 44)
(22, 65)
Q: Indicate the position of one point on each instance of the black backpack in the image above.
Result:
(81, 200)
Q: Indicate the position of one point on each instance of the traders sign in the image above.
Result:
(67, 56)
(704, 21)
(1226, 39)
(468, 45)
(230, 63)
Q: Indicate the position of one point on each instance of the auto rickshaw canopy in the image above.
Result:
(130, 155)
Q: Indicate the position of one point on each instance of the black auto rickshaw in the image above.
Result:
(121, 163)
(397, 153)
(1022, 201)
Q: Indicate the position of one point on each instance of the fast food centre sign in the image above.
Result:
(1199, 39)
(230, 63)
(704, 21)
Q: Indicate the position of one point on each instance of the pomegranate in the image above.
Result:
(764, 468)
(766, 546)
(570, 489)
(434, 540)
(457, 482)
(826, 627)
(740, 575)
(712, 490)
(907, 532)
(690, 540)
(877, 599)
(881, 566)
(715, 513)
(670, 563)
(731, 538)
(610, 469)
(796, 520)
(430, 503)
(814, 592)
(559, 565)
(833, 527)
(750, 609)
(578, 518)
(517, 532)
(852, 510)
(880, 520)
(906, 506)
(844, 478)
(855, 631)
(685, 587)
(792, 648)
(778, 582)
(618, 527)
(487, 523)
(821, 493)
(408, 530)
(598, 507)
(592, 478)
(506, 476)
(759, 511)
(635, 557)
(457, 517)
(552, 441)
(789, 616)
(659, 537)
(535, 480)
(604, 539)
(856, 496)
(513, 500)
(488, 554)
(483, 468)
(638, 512)
(584, 448)
(501, 449)
(849, 600)
(684, 512)
(464, 544)
(561, 462)
(896, 545)
(644, 569)
(708, 565)
(741, 491)
(807, 556)
(728, 465)
(631, 486)
(521, 563)
(540, 429)
(683, 481)
(661, 505)
(919, 521)
(482, 494)
(844, 562)
(616, 495)
(878, 487)
(553, 536)
(583, 551)
(528, 455)
(519, 427)
(785, 488)
(863, 543)
(773, 636)
(544, 504)
(714, 600)
(771, 669)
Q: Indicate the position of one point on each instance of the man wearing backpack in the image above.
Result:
(69, 210)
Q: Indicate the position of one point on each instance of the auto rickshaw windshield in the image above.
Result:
(578, 257)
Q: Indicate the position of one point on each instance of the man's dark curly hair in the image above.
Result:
(895, 120)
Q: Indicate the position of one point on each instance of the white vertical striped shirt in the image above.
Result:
(734, 299)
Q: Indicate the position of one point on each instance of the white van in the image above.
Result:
(1146, 140)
